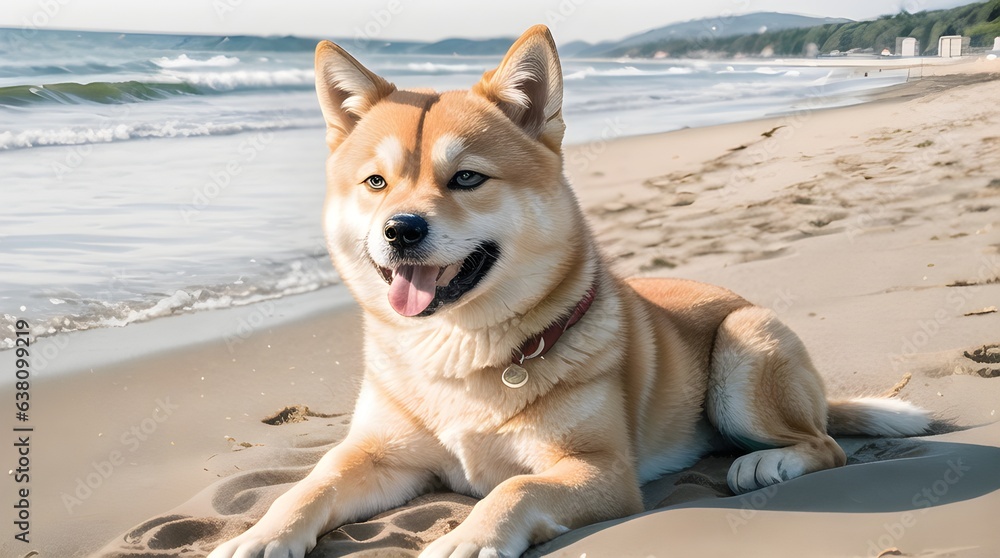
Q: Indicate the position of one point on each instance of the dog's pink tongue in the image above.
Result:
(412, 288)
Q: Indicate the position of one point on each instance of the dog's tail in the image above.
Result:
(876, 416)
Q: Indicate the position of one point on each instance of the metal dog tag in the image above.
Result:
(514, 376)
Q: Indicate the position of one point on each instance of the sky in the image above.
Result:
(589, 20)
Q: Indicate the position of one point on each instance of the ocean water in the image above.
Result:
(148, 175)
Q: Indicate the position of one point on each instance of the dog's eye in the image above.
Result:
(466, 180)
(375, 182)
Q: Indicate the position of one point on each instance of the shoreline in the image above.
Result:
(949, 73)
(799, 212)
(77, 351)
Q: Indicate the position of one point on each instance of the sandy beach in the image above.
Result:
(873, 231)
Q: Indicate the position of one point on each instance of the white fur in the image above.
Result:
(764, 468)
(345, 75)
(729, 384)
(882, 416)
(391, 155)
(445, 151)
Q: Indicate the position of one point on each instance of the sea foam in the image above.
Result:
(628, 71)
(40, 137)
(245, 79)
(183, 61)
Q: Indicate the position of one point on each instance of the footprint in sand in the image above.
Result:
(615, 207)
(179, 534)
(987, 354)
(294, 414)
(399, 532)
(683, 198)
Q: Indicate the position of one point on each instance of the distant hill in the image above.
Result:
(573, 48)
(980, 22)
(468, 47)
(698, 29)
(446, 47)
(715, 28)
(689, 30)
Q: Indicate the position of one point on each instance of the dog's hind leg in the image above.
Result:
(765, 395)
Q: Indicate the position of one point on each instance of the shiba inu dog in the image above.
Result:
(503, 359)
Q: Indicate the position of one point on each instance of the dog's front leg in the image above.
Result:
(529, 509)
(383, 462)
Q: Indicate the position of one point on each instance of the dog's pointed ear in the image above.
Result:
(528, 86)
(346, 90)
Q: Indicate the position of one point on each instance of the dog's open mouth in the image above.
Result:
(419, 290)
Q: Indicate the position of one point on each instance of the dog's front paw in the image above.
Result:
(446, 549)
(460, 543)
(259, 543)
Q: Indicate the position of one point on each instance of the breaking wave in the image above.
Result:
(628, 71)
(299, 276)
(98, 92)
(206, 82)
(123, 132)
(184, 61)
(165, 85)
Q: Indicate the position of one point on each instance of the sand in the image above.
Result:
(872, 230)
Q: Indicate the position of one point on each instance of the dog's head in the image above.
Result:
(441, 201)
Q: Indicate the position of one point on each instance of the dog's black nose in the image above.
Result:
(404, 230)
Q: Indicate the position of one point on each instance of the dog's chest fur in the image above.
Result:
(489, 432)
(482, 442)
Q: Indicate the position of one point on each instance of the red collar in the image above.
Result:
(543, 342)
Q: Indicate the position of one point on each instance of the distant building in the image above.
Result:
(907, 46)
(996, 44)
(952, 46)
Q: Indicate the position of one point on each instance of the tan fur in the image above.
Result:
(634, 390)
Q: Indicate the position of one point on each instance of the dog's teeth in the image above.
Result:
(384, 273)
(447, 274)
